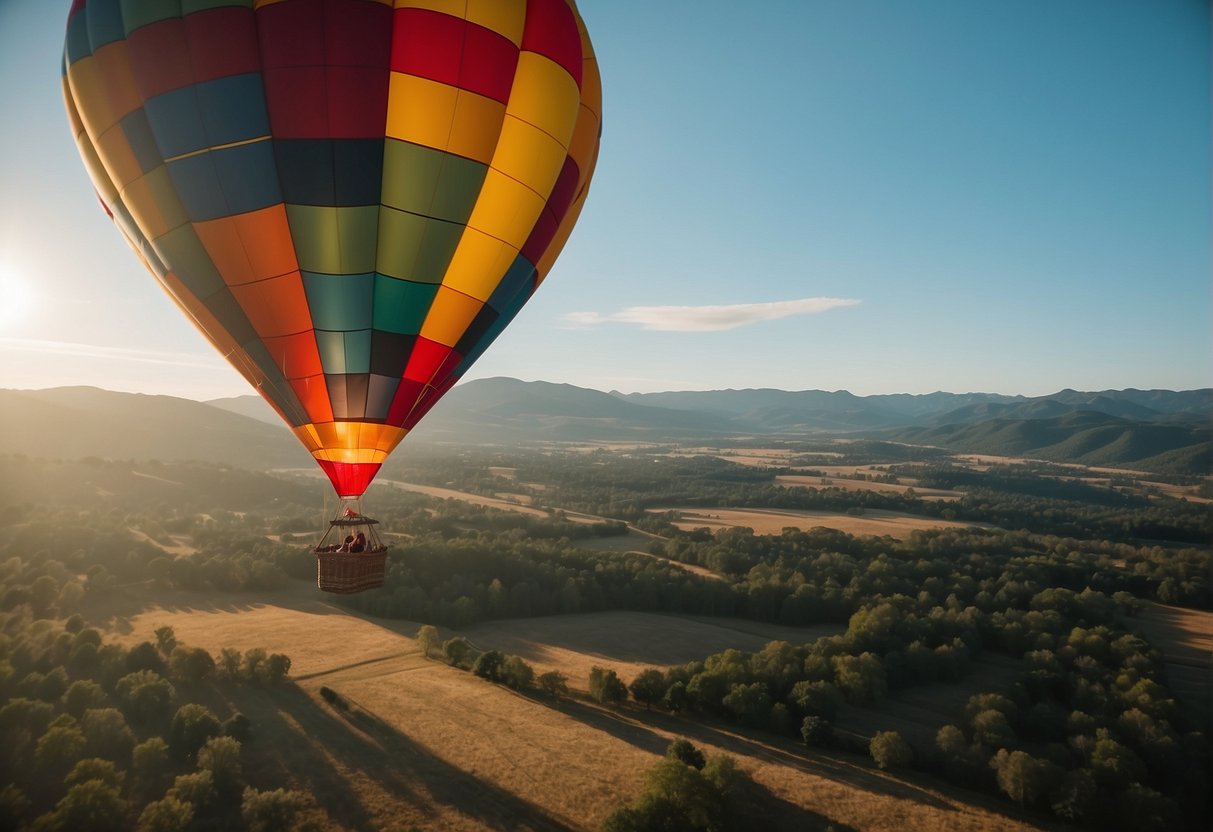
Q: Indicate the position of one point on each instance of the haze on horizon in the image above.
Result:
(879, 197)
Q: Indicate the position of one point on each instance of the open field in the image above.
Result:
(427, 745)
(629, 642)
(475, 499)
(876, 522)
(809, 481)
(1185, 637)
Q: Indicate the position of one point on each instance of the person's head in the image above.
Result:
(349, 538)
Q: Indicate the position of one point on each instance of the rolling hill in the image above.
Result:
(77, 422)
(1153, 430)
(1085, 436)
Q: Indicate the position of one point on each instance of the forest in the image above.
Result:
(1088, 732)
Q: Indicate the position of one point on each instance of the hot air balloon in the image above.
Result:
(350, 199)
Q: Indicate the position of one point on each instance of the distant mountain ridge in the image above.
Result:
(79, 422)
(1153, 429)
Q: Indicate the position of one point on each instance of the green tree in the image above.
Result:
(192, 726)
(488, 665)
(190, 664)
(150, 765)
(53, 685)
(750, 704)
(91, 805)
(685, 752)
(606, 687)
(554, 683)
(166, 640)
(1074, 796)
(889, 750)
(991, 729)
(252, 669)
(861, 678)
(1021, 777)
(93, 768)
(277, 668)
(648, 687)
(144, 656)
(817, 698)
(816, 731)
(672, 783)
(13, 806)
(83, 695)
(1114, 765)
(196, 789)
(270, 811)
(428, 639)
(145, 696)
(675, 698)
(58, 750)
(166, 815)
(516, 673)
(455, 651)
(107, 735)
(230, 661)
(221, 757)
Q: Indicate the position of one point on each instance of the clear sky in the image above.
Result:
(873, 195)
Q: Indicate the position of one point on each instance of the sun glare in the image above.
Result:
(17, 299)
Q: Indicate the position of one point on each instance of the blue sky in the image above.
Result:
(879, 196)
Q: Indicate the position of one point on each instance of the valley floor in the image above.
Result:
(425, 744)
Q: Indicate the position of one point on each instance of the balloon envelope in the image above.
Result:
(350, 198)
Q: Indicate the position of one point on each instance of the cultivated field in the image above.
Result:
(435, 747)
(874, 522)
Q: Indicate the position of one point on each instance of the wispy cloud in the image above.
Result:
(68, 348)
(706, 318)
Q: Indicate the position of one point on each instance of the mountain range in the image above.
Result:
(1159, 430)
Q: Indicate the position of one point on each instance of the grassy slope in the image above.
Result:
(429, 745)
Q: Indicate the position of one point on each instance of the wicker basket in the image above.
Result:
(345, 573)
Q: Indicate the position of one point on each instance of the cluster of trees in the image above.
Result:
(691, 792)
(97, 736)
(460, 581)
(492, 665)
(1090, 721)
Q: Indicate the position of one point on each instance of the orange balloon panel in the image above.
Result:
(352, 198)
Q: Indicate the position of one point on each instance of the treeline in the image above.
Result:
(800, 577)
(1088, 730)
(97, 736)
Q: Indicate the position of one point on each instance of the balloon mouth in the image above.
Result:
(350, 479)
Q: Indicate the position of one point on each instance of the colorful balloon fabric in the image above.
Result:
(351, 199)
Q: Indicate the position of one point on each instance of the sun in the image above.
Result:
(18, 300)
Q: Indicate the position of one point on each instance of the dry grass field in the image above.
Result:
(628, 642)
(809, 481)
(1185, 637)
(475, 499)
(427, 745)
(876, 522)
